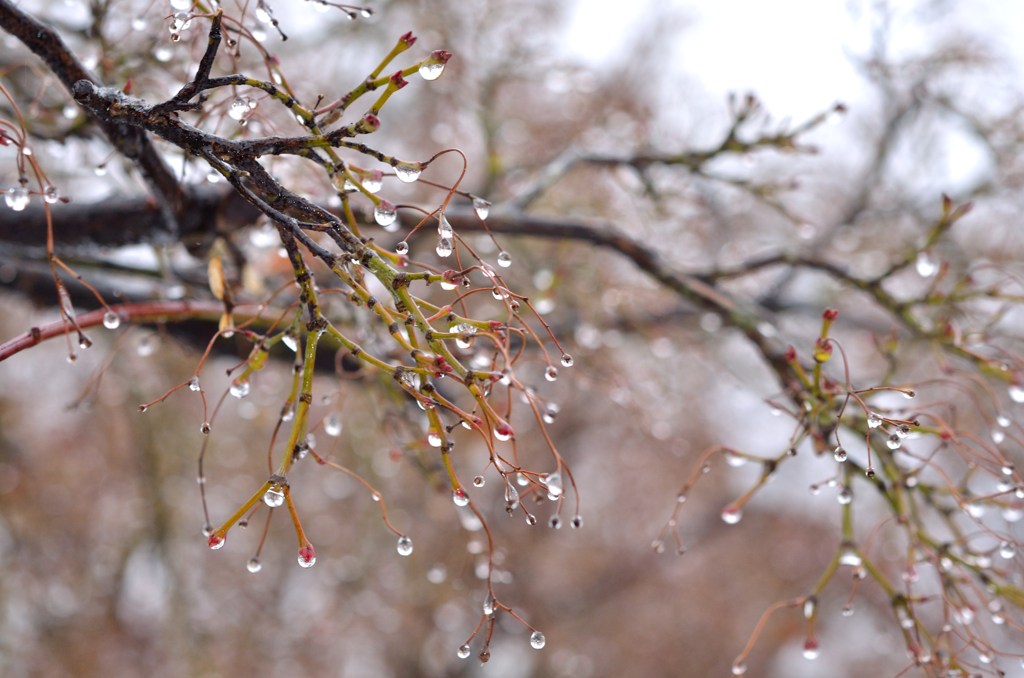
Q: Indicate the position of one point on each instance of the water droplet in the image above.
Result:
(181, 21)
(402, 247)
(17, 198)
(567, 360)
(577, 522)
(1016, 391)
(488, 606)
(1007, 550)
(478, 481)
(307, 556)
(550, 412)
(531, 519)
(193, 384)
(553, 481)
(460, 498)
(111, 320)
(503, 432)
(734, 460)
(204, 428)
(874, 421)
(925, 265)
(845, 496)
(554, 522)
(463, 652)
(811, 650)
(433, 439)
(894, 441)
(809, 606)
(848, 556)
(998, 436)
(537, 640)
(504, 259)
(732, 515)
(146, 346)
(333, 425)
(739, 668)
(1003, 420)
(385, 213)
(431, 71)
(263, 13)
(216, 541)
(240, 388)
(240, 108)
(481, 207)
(511, 497)
(254, 565)
(273, 497)
(1007, 470)
(839, 454)
(551, 373)
(407, 172)
(50, 194)
(445, 247)
(404, 546)
(444, 227)
(847, 610)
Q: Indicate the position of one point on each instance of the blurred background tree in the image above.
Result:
(683, 248)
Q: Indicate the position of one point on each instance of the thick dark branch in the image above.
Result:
(126, 221)
(131, 142)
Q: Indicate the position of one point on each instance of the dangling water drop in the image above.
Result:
(385, 213)
(402, 247)
(553, 481)
(550, 412)
(433, 439)
(239, 108)
(732, 515)
(551, 373)
(50, 195)
(407, 172)
(1016, 391)
(444, 227)
(307, 556)
(460, 498)
(445, 247)
(479, 481)
(240, 388)
(254, 565)
(273, 497)
(839, 454)
(481, 207)
(739, 668)
(17, 198)
(463, 652)
(333, 425)
(204, 428)
(488, 606)
(894, 441)
(431, 71)
(504, 259)
(925, 265)
(874, 421)
(216, 541)
(537, 640)
(845, 496)
(111, 320)
(811, 650)
(577, 522)
(503, 432)
(567, 360)
(404, 546)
